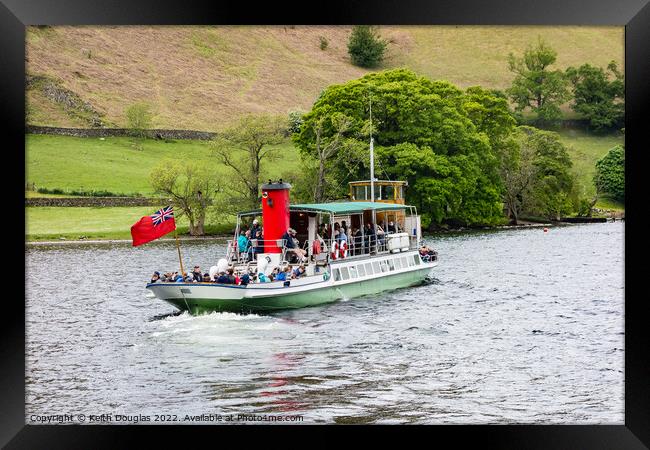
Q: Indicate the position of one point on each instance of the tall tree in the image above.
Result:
(610, 173)
(535, 171)
(325, 147)
(536, 86)
(138, 119)
(244, 146)
(429, 132)
(366, 47)
(191, 188)
(599, 96)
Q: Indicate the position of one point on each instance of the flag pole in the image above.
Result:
(178, 247)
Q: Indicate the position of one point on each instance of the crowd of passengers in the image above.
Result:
(249, 241)
(356, 241)
(230, 277)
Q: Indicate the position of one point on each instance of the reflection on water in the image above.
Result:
(517, 326)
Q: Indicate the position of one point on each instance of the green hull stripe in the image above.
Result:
(302, 299)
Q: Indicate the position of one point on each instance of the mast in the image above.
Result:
(372, 160)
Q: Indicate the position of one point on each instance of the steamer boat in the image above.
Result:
(365, 264)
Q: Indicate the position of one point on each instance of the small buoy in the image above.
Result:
(545, 230)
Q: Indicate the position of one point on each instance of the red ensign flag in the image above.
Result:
(154, 226)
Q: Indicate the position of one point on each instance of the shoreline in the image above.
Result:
(227, 236)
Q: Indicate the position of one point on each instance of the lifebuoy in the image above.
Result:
(343, 250)
(335, 250)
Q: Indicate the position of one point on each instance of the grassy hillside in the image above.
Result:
(585, 149)
(204, 77)
(45, 223)
(115, 165)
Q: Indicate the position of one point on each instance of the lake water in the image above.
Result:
(519, 326)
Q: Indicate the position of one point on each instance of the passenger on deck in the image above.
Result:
(262, 278)
(344, 227)
(299, 272)
(255, 228)
(391, 227)
(243, 241)
(245, 279)
(291, 244)
(282, 276)
(230, 273)
(221, 278)
(370, 238)
(342, 235)
(428, 254)
(259, 248)
(155, 278)
(196, 274)
(357, 241)
(381, 238)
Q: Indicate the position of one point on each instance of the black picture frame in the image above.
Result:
(15, 15)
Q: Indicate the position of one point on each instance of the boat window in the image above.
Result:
(398, 263)
(359, 193)
(410, 261)
(416, 259)
(375, 265)
(391, 264)
(353, 272)
(368, 268)
(361, 270)
(337, 275)
(404, 262)
(383, 265)
(344, 273)
(387, 193)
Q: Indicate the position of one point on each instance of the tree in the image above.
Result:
(430, 133)
(326, 146)
(610, 173)
(535, 170)
(244, 146)
(191, 187)
(138, 117)
(598, 96)
(536, 86)
(366, 48)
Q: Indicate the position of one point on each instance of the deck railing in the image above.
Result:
(357, 247)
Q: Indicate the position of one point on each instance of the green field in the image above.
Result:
(115, 165)
(585, 149)
(51, 223)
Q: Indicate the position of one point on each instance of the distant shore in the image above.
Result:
(522, 224)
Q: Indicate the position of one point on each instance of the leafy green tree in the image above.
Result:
(536, 86)
(610, 173)
(191, 188)
(366, 47)
(295, 121)
(535, 171)
(599, 96)
(138, 117)
(244, 146)
(433, 134)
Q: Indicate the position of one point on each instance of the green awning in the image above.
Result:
(348, 207)
(338, 207)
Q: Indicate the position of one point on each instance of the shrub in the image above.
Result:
(366, 48)
(323, 43)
